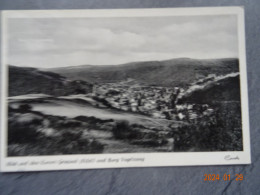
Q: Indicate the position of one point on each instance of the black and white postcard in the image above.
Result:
(84, 89)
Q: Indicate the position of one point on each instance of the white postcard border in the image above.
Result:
(93, 161)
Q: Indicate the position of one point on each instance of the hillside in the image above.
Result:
(174, 72)
(225, 88)
(30, 80)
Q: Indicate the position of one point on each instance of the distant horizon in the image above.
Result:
(123, 63)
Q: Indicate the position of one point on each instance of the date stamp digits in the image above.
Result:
(225, 177)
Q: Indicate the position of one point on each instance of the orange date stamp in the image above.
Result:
(225, 177)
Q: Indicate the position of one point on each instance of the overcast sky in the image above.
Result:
(61, 42)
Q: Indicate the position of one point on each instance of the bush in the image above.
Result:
(25, 108)
(23, 132)
(122, 130)
(73, 143)
(70, 124)
(221, 132)
(150, 142)
(96, 147)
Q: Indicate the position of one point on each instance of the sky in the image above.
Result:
(59, 42)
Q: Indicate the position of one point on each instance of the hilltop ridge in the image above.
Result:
(174, 72)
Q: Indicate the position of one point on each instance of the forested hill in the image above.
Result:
(222, 88)
(174, 72)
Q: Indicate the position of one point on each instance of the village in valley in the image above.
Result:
(157, 102)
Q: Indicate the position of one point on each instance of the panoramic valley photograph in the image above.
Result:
(123, 85)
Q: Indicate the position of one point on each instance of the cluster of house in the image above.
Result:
(158, 102)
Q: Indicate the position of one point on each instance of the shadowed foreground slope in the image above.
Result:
(32, 81)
